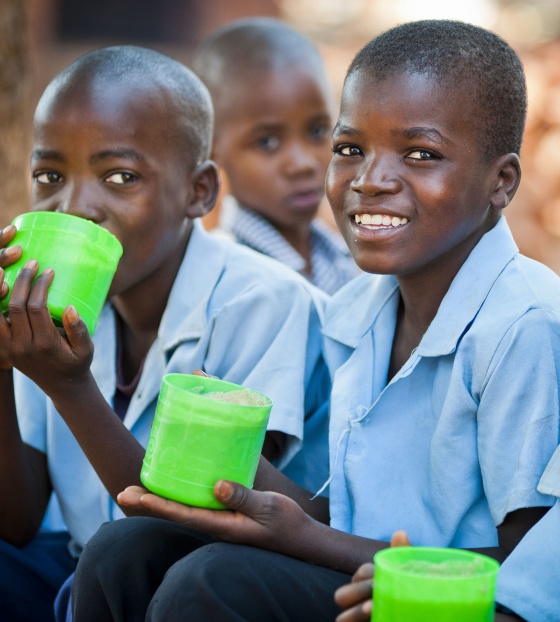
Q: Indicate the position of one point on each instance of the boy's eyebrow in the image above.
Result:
(125, 153)
(131, 154)
(45, 154)
(340, 128)
(423, 132)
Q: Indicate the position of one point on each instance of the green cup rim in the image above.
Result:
(81, 226)
(391, 560)
(212, 384)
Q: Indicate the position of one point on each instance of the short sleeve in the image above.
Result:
(550, 481)
(518, 414)
(31, 411)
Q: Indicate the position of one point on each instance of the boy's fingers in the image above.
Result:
(400, 538)
(76, 330)
(365, 571)
(17, 305)
(353, 593)
(359, 613)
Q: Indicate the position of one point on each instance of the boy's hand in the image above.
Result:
(8, 256)
(266, 520)
(30, 342)
(356, 597)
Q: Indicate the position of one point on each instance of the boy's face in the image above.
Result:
(408, 185)
(109, 154)
(272, 139)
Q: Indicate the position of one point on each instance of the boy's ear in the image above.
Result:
(205, 183)
(508, 177)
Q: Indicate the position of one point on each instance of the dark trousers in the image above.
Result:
(138, 569)
(31, 576)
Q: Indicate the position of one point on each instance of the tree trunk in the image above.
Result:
(15, 114)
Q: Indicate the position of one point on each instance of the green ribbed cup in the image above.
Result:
(83, 255)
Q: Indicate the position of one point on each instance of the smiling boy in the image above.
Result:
(122, 138)
(445, 360)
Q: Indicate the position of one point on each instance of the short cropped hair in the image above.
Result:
(254, 44)
(455, 53)
(188, 99)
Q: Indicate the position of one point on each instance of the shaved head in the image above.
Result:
(141, 71)
(251, 47)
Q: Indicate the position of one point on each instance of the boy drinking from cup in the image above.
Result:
(122, 138)
(445, 361)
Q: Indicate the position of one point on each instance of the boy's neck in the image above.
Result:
(299, 238)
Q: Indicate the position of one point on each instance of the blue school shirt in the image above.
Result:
(233, 313)
(463, 432)
(529, 579)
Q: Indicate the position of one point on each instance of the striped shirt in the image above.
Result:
(331, 263)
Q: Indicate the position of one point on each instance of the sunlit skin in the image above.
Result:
(272, 139)
(101, 156)
(406, 148)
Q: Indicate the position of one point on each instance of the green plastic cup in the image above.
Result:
(84, 257)
(433, 585)
(197, 440)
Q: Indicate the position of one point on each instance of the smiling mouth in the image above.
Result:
(380, 221)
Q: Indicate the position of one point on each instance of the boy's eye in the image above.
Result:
(120, 178)
(320, 132)
(47, 177)
(268, 143)
(347, 150)
(422, 154)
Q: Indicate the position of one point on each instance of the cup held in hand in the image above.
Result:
(198, 438)
(433, 585)
(84, 257)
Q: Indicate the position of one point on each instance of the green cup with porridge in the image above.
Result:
(204, 430)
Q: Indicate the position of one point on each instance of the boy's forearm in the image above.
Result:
(337, 550)
(109, 446)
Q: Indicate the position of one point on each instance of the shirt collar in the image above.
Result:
(356, 307)
(256, 232)
(469, 290)
(185, 316)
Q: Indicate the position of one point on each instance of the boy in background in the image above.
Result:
(122, 137)
(273, 108)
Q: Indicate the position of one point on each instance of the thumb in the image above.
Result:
(400, 538)
(236, 496)
(75, 329)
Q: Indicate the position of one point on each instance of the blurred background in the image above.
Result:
(40, 37)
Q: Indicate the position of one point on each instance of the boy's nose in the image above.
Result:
(300, 159)
(376, 176)
(78, 201)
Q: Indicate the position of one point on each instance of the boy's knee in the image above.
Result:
(206, 583)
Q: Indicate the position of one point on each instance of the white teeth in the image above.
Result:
(380, 219)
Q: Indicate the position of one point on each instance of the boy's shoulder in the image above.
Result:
(231, 270)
